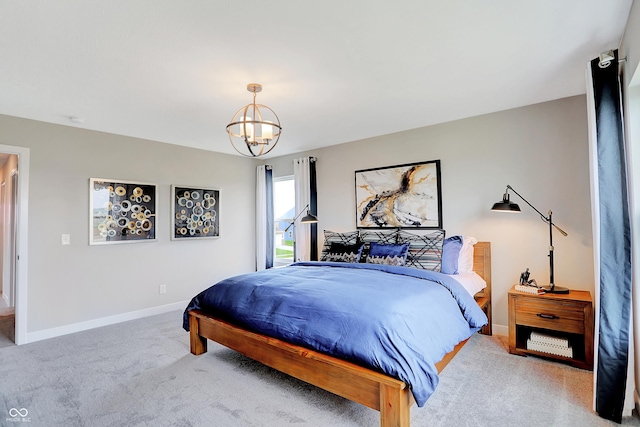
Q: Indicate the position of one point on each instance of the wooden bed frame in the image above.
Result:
(388, 395)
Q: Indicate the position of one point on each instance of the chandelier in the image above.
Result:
(254, 129)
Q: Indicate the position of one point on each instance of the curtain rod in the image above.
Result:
(607, 57)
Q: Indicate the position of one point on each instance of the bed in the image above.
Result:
(350, 379)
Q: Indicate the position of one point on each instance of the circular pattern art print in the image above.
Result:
(195, 213)
(122, 211)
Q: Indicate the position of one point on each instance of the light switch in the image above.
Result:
(66, 239)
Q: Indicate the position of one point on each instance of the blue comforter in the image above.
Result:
(397, 320)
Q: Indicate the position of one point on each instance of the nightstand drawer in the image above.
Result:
(565, 316)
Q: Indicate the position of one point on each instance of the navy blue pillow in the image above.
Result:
(339, 252)
(387, 254)
(450, 252)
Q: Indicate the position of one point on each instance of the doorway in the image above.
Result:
(8, 198)
(14, 196)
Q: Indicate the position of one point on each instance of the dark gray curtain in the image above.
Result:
(615, 244)
(313, 208)
(264, 235)
(270, 221)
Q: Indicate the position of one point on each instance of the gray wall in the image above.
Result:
(540, 150)
(630, 49)
(630, 45)
(80, 283)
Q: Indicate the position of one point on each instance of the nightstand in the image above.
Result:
(565, 316)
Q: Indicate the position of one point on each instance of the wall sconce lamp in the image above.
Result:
(255, 128)
(507, 206)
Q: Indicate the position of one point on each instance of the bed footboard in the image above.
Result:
(388, 395)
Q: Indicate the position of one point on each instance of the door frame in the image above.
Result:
(22, 252)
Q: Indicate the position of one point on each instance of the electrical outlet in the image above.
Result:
(65, 239)
(163, 289)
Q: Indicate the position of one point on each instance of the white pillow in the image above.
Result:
(465, 258)
(472, 282)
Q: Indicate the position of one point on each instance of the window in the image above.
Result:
(284, 202)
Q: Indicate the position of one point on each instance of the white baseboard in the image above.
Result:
(104, 321)
(7, 311)
(500, 330)
(5, 298)
(124, 317)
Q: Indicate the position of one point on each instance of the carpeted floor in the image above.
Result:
(141, 373)
(7, 332)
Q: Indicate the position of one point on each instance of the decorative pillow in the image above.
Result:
(347, 238)
(384, 236)
(425, 250)
(465, 259)
(340, 252)
(387, 254)
(450, 252)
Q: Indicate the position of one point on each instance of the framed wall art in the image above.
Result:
(405, 196)
(121, 211)
(195, 213)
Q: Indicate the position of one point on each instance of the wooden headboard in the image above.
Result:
(482, 263)
(482, 266)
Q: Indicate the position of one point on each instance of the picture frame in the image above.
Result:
(401, 196)
(121, 211)
(195, 212)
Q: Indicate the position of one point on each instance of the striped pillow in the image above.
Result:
(425, 250)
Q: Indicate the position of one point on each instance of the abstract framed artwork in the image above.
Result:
(121, 211)
(195, 213)
(403, 196)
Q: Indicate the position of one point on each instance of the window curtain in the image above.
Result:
(264, 218)
(305, 235)
(611, 238)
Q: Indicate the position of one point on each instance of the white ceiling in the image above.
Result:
(334, 71)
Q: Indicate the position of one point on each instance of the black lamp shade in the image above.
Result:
(308, 218)
(505, 205)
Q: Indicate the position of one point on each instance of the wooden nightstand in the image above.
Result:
(568, 316)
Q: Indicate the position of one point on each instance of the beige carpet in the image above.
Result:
(141, 373)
